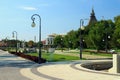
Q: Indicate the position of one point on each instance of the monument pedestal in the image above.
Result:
(116, 64)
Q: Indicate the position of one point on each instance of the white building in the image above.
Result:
(50, 40)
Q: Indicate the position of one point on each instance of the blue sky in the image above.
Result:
(57, 16)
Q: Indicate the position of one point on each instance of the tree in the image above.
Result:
(116, 35)
(30, 43)
(99, 33)
(88, 36)
(72, 39)
(96, 35)
(59, 41)
(102, 35)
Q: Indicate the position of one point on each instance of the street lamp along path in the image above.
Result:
(33, 24)
(16, 38)
(81, 25)
(40, 60)
(81, 41)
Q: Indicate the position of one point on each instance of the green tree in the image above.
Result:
(30, 43)
(59, 41)
(71, 39)
(96, 35)
(116, 35)
(99, 33)
(88, 37)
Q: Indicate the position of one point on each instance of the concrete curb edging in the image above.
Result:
(78, 67)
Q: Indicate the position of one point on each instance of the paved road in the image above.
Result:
(16, 68)
(10, 66)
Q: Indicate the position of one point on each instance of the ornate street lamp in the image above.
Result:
(61, 44)
(106, 45)
(81, 28)
(33, 25)
(7, 42)
(16, 38)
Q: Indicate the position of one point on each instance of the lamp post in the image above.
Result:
(33, 25)
(61, 44)
(69, 45)
(81, 28)
(106, 45)
(107, 37)
(7, 42)
(35, 43)
(106, 42)
(16, 39)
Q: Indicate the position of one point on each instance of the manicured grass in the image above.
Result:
(56, 57)
(61, 57)
(98, 54)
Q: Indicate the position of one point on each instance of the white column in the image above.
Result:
(116, 64)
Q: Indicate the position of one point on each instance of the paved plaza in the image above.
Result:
(16, 68)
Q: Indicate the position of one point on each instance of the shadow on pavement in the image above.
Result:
(7, 56)
(18, 64)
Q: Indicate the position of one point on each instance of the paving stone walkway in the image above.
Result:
(16, 68)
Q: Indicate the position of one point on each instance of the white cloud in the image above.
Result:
(28, 8)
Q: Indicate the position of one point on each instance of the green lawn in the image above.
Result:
(98, 54)
(63, 57)
(56, 57)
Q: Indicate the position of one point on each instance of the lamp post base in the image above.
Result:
(41, 60)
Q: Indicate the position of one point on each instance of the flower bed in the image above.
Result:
(32, 58)
(102, 65)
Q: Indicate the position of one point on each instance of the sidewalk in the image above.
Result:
(65, 71)
(16, 68)
(10, 66)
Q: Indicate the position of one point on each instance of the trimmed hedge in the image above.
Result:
(29, 57)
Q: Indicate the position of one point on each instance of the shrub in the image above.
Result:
(29, 57)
